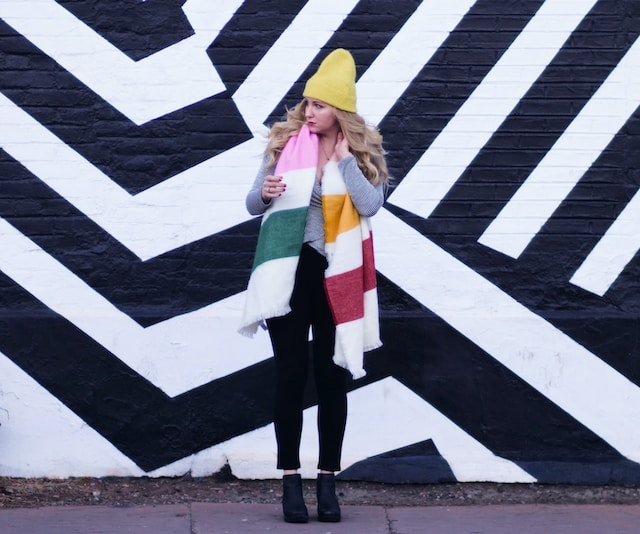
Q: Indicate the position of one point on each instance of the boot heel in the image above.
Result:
(293, 507)
(328, 506)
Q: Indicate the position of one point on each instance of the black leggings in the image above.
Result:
(289, 338)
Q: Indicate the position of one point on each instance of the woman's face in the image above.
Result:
(320, 117)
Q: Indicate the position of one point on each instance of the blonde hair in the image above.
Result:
(365, 141)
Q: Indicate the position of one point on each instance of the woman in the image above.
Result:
(324, 174)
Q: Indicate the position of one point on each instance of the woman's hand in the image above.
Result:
(342, 148)
(272, 187)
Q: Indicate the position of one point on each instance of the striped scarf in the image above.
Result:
(350, 279)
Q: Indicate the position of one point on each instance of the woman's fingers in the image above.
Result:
(273, 187)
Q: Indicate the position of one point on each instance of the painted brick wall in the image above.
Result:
(507, 251)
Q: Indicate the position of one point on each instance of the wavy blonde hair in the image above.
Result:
(365, 141)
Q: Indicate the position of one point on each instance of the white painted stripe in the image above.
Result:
(176, 355)
(288, 58)
(203, 200)
(488, 106)
(383, 416)
(543, 356)
(613, 252)
(569, 158)
(469, 460)
(387, 415)
(73, 448)
(143, 90)
(406, 54)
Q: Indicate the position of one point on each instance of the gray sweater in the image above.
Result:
(367, 199)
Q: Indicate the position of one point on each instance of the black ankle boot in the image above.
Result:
(328, 507)
(293, 507)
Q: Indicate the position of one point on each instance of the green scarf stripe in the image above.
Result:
(281, 235)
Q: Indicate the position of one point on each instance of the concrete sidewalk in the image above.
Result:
(214, 518)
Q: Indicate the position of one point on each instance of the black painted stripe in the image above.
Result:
(449, 78)
(539, 278)
(365, 32)
(155, 430)
(174, 283)
(136, 417)
(152, 153)
(536, 123)
(139, 29)
(248, 36)
(418, 463)
(486, 400)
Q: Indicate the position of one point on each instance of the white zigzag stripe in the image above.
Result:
(204, 199)
(171, 79)
(511, 77)
(73, 447)
(573, 378)
(400, 408)
(198, 202)
(204, 342)
(383, 416)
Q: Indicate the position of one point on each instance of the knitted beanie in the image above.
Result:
(335, 81)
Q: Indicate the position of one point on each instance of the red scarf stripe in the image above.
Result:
(369, 275)
(346, 290)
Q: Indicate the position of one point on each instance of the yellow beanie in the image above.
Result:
(335, 81)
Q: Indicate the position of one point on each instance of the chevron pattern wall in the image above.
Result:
(507, 250)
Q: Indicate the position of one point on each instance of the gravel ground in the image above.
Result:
(20, 493)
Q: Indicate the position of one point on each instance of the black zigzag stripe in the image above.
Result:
(136, 417)
(355, 34)
(139, 29)
(154, 430)
(154, 152)
(132, 414)
(434, 360)
(174, 283)
(448, 79)
(160, 283)
(469, 387)
(248, 36)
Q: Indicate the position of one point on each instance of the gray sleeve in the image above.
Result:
(254, 203)
(366, 197)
